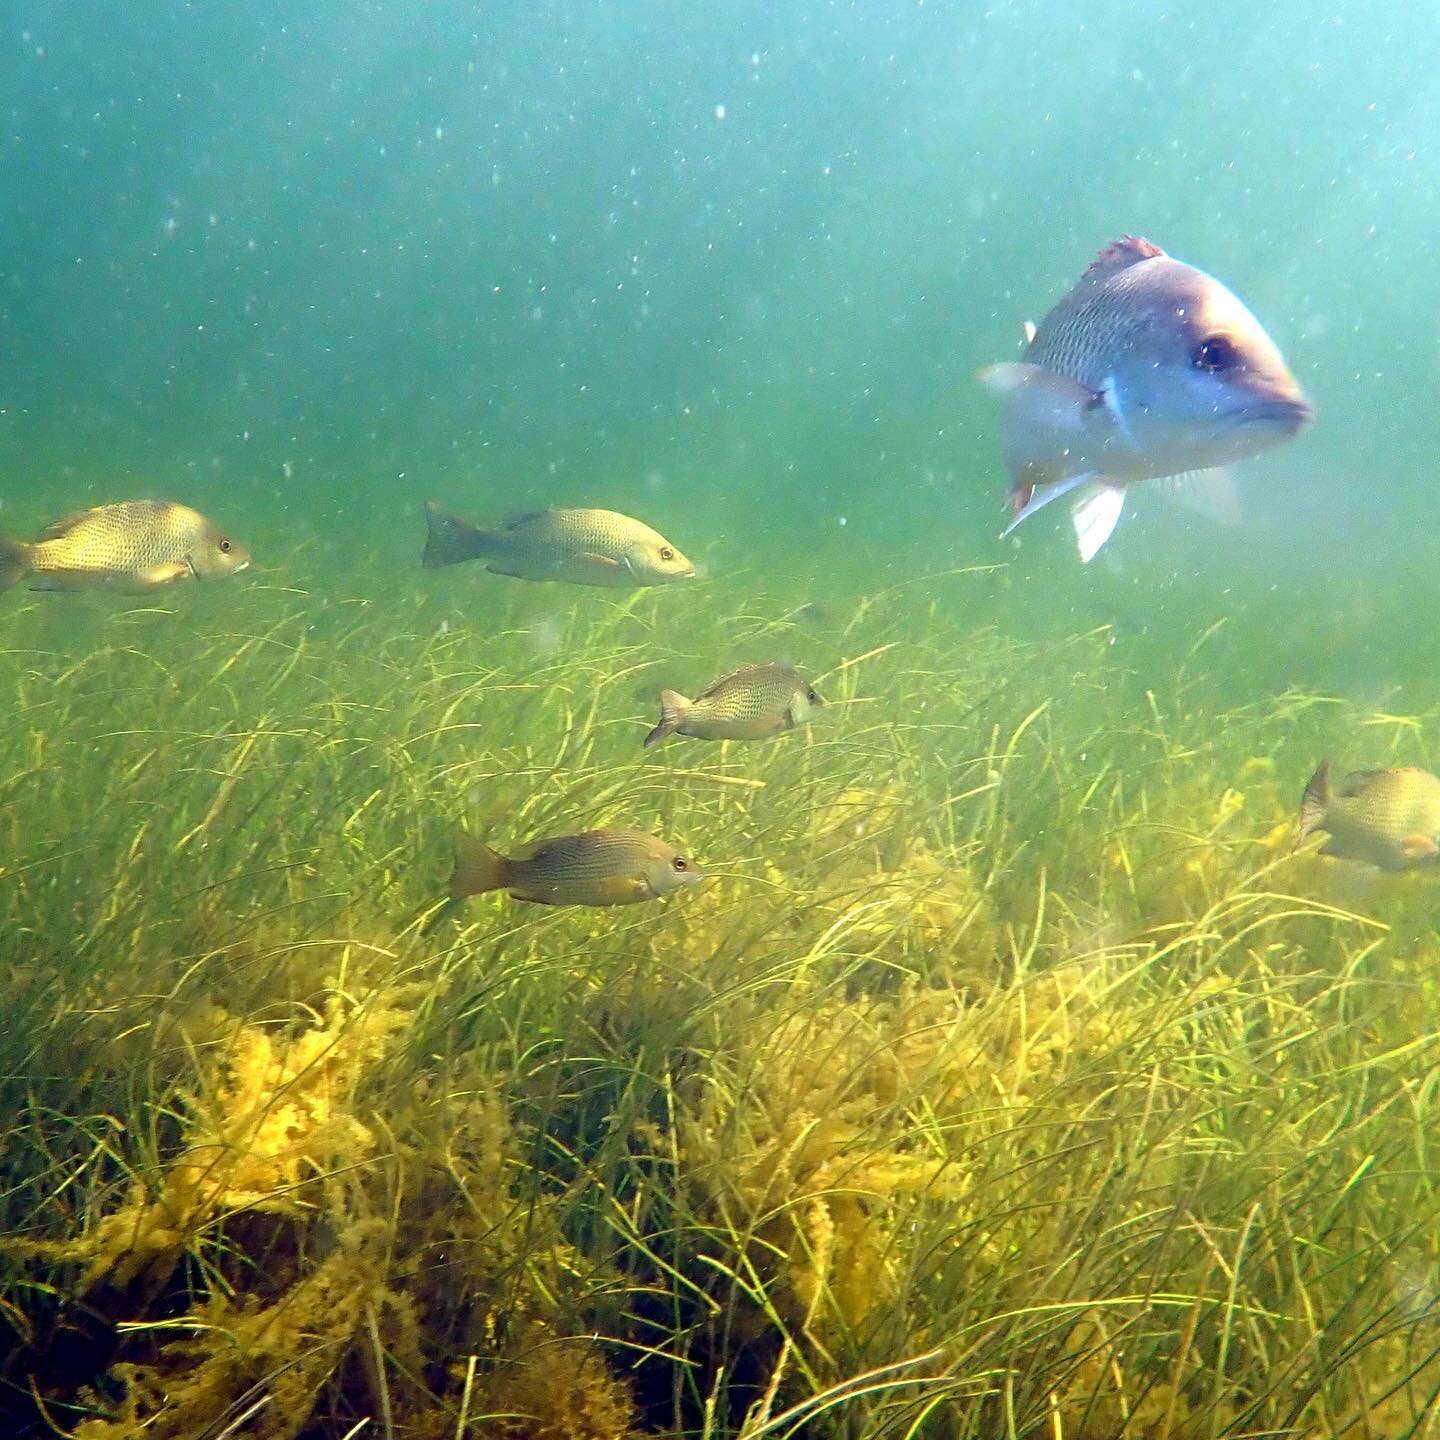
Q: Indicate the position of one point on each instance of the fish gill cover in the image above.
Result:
(1013, 1070)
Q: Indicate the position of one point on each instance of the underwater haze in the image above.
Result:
(1015, 1067)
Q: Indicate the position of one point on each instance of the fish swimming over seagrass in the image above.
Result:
(1146, 368)
(747, 704)
(134, 546)
(596, 867)
(580, 547)
(1389, 818)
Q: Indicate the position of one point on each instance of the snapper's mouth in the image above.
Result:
(1289, 413)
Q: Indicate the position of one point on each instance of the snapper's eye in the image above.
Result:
(1215, 354)
(812, 697)
(225, 547)
(666, 553)
(680, 863)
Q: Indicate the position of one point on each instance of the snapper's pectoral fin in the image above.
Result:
(623, 890)
(159, 576)
(1095, 514)
(600, 562)
(1418, 847)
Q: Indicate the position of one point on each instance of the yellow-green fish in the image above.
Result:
(579, 547)
(1389, 818)
(747, 704)
(597, 867)
(134, 546)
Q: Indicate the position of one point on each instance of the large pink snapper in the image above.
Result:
(1147, 368)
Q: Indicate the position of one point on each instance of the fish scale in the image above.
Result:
(596, 867)
(580, 546)
(134, 545)
(1145, 368)
(1388, 817)
(1082, 334)
(747, 704)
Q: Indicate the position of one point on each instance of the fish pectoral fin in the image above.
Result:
(603, 562)
(1419, 847)
(158, 576)
(623, 890)
(1095, 514)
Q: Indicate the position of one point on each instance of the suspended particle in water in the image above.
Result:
(719, 112)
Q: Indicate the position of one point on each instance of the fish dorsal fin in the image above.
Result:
(1119, 255)
(56, 529)
(740, 672)
(1358, 781)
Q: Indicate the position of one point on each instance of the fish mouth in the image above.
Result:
(1279, 412)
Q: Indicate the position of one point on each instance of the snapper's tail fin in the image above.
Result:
(673, 706)
(477, 867)
(1315, 802)
(450, 538)
(16, 562)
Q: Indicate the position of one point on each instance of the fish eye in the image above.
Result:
(1215, 354)
(666, 553)
(812, 697)
(225, 547)
(680, 863)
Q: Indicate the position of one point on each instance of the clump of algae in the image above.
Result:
(821, 1138)
(337, 1244)
(556, 1388)
(270, 1126)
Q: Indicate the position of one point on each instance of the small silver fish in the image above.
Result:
(580, 547)
(747, 704)
(1387, 818)
(596, 867)
(1148, 367)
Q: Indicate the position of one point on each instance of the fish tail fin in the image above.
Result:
(477, 867)
(673, 707)
(16, 562)
(449, 538)
(1315, 801)
(1095, 514)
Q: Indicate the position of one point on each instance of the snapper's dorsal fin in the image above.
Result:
(57, 529)
(1357, 782)
(1119, 255)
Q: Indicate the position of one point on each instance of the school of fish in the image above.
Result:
(1147, 368)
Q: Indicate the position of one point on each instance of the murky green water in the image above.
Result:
(1011, 1075)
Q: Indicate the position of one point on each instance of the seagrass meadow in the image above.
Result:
(1010, 1076)
(1016, 1072)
